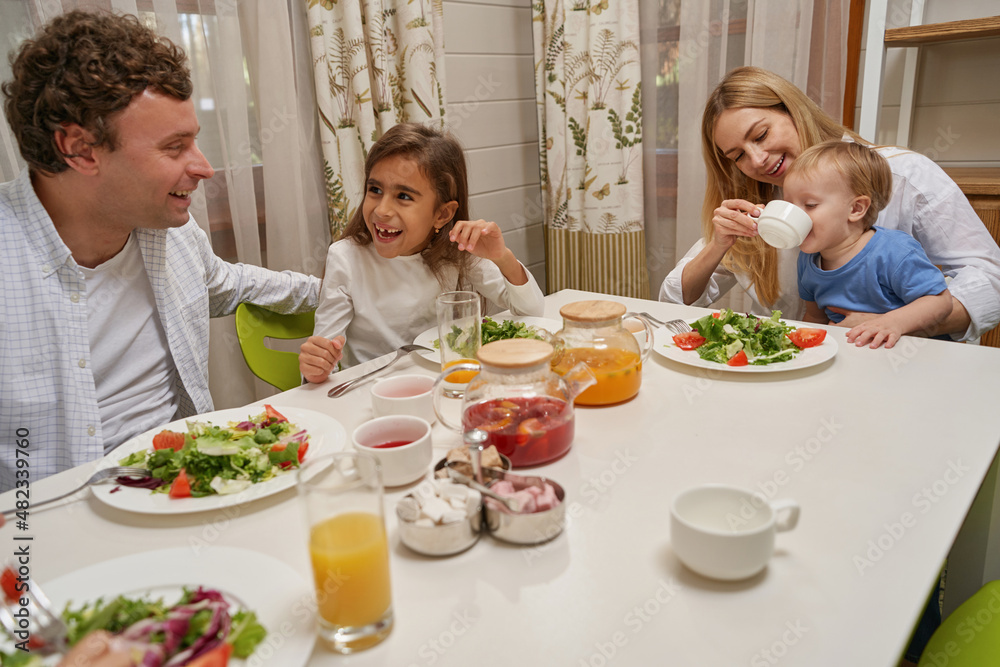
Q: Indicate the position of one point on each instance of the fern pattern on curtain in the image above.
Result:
(376, 63)
(589, 96)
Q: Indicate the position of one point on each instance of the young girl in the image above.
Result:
(409, 241)
(848, 264)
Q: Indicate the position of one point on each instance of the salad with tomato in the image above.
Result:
(729, 338)
(490, 331)
(210, 459)
(199, 630)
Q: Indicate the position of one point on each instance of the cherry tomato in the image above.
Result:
(689, 340)
(217, 657)
(8, 584)
(168, 440)
(804, 338)
(281, 446)
(738, 359)
(274, 414)
(181, 487)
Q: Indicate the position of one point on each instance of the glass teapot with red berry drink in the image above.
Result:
(517, 399)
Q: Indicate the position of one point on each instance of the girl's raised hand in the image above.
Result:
(733, 219)
(479, 237)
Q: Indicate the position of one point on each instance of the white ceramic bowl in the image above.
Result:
(404, 395)
(402, 464)
(783, 225)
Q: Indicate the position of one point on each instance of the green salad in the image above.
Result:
(210, 459)
(492, 330)
(200, 628)
(727, 333)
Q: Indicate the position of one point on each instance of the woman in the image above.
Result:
(754, 126)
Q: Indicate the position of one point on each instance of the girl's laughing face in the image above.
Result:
(401, 207)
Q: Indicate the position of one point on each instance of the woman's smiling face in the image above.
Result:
(761, 142)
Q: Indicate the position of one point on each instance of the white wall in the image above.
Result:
(956, 118)
(489, 85)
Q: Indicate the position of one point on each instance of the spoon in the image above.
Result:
(511, 503)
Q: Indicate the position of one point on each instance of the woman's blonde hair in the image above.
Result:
(439, 156)
(753, 87)
(867, 173)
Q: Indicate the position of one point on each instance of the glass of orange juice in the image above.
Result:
(342, 494)
(459, 334)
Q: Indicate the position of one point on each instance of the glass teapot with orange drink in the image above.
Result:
(593, 334)
(526, 409)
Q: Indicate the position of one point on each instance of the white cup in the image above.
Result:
(783, 225)
(404, 395)
(723, 532)
(404, 463)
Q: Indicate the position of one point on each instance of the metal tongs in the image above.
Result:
(475, 440)
(511, 503)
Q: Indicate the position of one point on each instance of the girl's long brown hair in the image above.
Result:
(439, 157)
(753, 87)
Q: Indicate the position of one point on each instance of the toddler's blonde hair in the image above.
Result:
(866, 172)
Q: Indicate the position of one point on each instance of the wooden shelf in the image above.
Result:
(943, 32)
(981, 181)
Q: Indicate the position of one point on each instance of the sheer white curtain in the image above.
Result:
(687, 47)
(255, 102)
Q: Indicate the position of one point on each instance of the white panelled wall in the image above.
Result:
(489, 84)
(956, 116)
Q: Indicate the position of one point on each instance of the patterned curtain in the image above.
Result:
(587, 85)
(376, 63)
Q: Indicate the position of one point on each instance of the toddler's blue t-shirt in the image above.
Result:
(891, 271)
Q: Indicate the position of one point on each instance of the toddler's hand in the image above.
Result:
(318, 357)
(878, 330)
(479, 237)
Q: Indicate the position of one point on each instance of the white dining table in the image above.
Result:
(884, 451)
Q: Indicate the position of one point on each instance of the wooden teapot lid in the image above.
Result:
(592, 311)
(515, 353)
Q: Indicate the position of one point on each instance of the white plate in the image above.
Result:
(663, 344)
(428, 337)
(326, 435)
(286, 610)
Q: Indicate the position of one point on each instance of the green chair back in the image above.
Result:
(970, 636)
(276, 367)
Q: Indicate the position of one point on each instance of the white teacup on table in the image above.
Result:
(404, 395)
(402, 445)
(783, 225)
(724, 532)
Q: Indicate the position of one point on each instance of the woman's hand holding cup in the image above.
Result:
(733, 219)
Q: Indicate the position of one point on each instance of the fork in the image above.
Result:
(44, 625)
(673, 326)
(96, 478)
(345, 387)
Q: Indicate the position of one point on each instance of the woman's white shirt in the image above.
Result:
(927, 205)
(791, 306)
(380, 304)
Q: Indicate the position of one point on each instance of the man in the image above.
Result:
(107, 282)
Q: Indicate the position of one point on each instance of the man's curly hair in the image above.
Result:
(84, 67)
